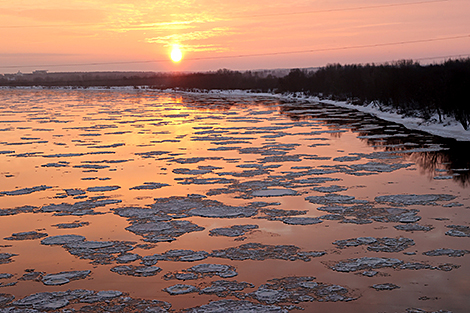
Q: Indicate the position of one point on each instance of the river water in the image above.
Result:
(147, 201)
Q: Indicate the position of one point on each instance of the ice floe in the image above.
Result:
(24, 191)
(203, 270)
(377, 244)
(138, 271)
(458, 231)
(448, 252)
(89, 301)
(233, 306)
(178, 255)
(64, 277)
(300, 289)
(232, 231)
(257, 251)
(28, 235)
(386, 286)
(413, 199)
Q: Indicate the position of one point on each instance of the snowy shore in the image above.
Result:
(448, 128)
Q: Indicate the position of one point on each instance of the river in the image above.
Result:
(151, 201)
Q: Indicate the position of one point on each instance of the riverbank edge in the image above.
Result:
(447, 127)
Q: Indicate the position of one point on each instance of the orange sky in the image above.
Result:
(54, 34)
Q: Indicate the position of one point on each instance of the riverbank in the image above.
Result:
(449, 127)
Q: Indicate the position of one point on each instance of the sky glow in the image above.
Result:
(97, 35)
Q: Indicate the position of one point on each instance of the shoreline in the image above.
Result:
(448, 128)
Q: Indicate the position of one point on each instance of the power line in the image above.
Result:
(443, 57)
(378, 6)
(248, 55)
(241, 16)
(337, 48)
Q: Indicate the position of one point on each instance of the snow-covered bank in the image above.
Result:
(448, 128)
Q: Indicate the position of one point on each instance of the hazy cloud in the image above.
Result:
(60, 15)
(186, 39)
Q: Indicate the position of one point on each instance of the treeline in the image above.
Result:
(224, 79)
(221, 79)
(406, 86)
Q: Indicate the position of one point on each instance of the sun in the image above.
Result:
(176, 54)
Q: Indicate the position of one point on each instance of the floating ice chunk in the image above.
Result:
(386, 286)
(299, 289)
(5, 275)
(353, 265)
(458, 231)
(92, 166)
(332, 188)
(163, 231)
(384, 244)
(379, 167)
(224, 211)
(75, 224)
(209, 268)
(235, 306)
(414, 227)
(223, 288)
(412, 199)
(443, 177)
(102, 188)
(28, 235)
(138, 271)
(149, 186)
(24, 191)
(268, 295)
(62, 239)
(180, 289)
(128, 257)
(347, 158)
(90, 244)
(6, 257)
(6, 298)
(233, 231)
(58, 164)
(204, 270)
(43, 301)
(274, 192)
(448, 252)
(452, 204)
(334, 198)
(301, 220)
(109, 294)
(187, 171)
(64, 277)
(257, 251)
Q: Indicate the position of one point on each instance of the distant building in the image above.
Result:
(39, 72)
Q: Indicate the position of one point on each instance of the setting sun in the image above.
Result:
(176, 54)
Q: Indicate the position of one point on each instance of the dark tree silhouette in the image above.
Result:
(406, 86)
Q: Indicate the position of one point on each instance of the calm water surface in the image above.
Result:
(285, 205)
